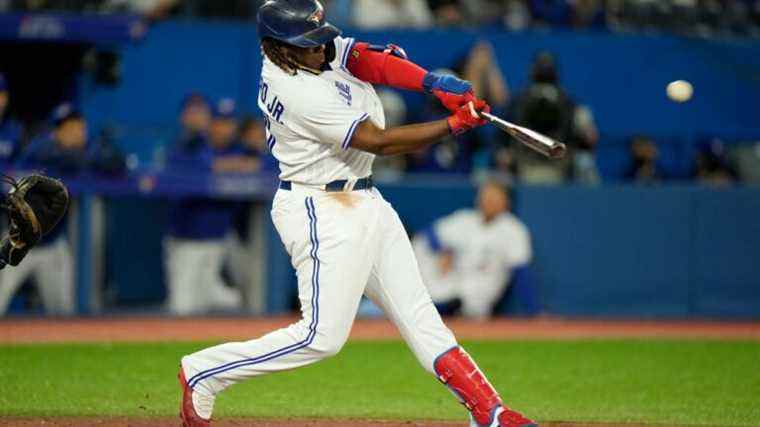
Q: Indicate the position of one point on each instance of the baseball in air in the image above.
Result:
(680, 91)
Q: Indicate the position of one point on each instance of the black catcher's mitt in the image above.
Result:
(35, 205)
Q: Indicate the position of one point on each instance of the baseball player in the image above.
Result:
(195, 245)
(66, 150)
(325, 126)
(471, 255)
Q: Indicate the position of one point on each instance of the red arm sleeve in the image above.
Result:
(384, 68)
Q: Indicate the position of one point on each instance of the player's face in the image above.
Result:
(493, 201)
(196, 117)
(255, 136)
(222, 132)
(312, 57)
(72, 134)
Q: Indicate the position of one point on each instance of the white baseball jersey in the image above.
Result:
(311, 119)
(484, 256)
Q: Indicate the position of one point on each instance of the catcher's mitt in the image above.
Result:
(35, 205)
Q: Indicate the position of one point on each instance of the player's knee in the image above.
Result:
(327, 346)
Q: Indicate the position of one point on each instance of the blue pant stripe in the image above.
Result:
(317, 264)
(311, 212)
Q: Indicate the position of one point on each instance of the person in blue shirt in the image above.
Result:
(254, 159)
(67, 150)
(198, 226)
(11, 130)
(253, 139)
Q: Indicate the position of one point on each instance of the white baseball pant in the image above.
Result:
(195, 284)
(342, 245)
(53, 270)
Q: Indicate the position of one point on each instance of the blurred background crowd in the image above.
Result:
(702, 18)
(38, 141)
(86, 110)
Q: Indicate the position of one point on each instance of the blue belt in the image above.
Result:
(338, 185)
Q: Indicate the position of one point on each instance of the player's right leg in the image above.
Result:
(396, 285)
(330, 250)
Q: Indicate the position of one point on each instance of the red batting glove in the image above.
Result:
(467, 117)
(453, 101)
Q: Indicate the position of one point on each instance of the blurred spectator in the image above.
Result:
(747, 159)
(257, 159)
(551, 13)
(584, 137)
(229, 155)
(448, 12)
(373, 14)
(67, 150)
(195, 119)
(153, 9)
(516, 15)
(51, 266)
(457, 154)
(587, 14)
(10, 130)
(702, 18)
(469, 258)
(240, 9)
(482, 70)
(644, 155)
(253, 140)
(545, 107)
(713, 166)
(195, 247)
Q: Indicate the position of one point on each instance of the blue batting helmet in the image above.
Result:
(296, 22)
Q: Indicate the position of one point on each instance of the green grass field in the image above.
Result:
(669, 382)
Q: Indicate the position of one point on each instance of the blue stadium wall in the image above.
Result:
(674, 251)
(617, 251)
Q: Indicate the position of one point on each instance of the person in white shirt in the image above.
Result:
(325, 125)
(377, 14)
(471, 255)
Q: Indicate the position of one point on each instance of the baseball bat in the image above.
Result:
(534, 140)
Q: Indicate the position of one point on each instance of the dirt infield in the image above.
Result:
(157, 329)
(160, 422)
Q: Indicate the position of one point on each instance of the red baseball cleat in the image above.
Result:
(510, 418)
(505, 417)
(186, 410)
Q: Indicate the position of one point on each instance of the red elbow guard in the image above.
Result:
(384, 68)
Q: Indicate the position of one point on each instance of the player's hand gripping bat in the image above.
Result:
(534, 140)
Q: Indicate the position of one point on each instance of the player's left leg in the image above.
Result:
(397, 287)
